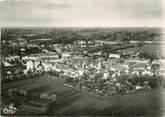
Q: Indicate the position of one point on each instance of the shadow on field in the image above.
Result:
(74, 103)
(8, 86)
(64, 100)
(41, 89)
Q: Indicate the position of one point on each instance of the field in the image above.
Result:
(71, 101)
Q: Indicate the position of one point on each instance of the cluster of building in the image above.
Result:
(68, 61)
(79, 67)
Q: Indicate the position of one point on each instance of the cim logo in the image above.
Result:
(9, 111)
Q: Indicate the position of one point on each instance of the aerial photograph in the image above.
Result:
(82, 58)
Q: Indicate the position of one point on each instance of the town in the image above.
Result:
(100, 62)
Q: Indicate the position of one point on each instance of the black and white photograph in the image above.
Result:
(82, 58)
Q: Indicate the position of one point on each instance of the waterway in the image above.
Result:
(151, 49)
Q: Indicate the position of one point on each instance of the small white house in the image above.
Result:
(114, 56)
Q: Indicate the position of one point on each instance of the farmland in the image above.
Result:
(71, 101)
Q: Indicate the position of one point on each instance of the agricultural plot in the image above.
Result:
(71, 101)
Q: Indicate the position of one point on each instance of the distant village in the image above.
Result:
(88, 64)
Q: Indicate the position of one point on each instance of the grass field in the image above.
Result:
(71, 101)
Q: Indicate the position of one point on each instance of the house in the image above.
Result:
(47, 66)
(6, 64)
(145, 61)
(29, 65)
(106, 74)
(114, 55)
(106, 42)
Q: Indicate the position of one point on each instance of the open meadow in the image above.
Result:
(71, 101)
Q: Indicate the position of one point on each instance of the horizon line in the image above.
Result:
(81, 27)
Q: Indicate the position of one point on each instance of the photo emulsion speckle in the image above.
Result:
(82, 58)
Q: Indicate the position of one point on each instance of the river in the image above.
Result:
(151, 49)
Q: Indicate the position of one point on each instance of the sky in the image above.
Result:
(88, 13)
